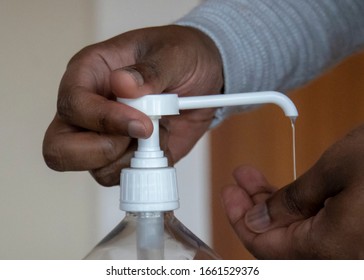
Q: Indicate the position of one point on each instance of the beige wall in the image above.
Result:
(45, 214)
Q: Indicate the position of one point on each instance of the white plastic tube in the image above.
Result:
(235, 99)
(150, 236)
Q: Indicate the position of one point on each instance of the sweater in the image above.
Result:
(278, 45)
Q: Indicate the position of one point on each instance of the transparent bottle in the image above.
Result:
(151, 236)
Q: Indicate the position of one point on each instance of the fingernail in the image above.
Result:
(257, 219)
(135, 75)
(136, 129)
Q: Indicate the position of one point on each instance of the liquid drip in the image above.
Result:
(294, 148)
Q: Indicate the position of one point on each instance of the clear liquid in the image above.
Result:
(294, 148)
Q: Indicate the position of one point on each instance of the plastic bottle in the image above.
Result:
(160, 236)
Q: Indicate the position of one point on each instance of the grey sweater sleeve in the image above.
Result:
(280, 44)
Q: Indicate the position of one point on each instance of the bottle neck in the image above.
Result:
(152, 214)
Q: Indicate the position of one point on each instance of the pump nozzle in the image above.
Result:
(170, 104)
(235, 99)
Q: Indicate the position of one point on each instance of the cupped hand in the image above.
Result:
(91, 131)
(318, 216)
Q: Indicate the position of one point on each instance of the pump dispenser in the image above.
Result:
(148, 189)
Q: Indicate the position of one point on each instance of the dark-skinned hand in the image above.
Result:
(318, 216)
(91, 131)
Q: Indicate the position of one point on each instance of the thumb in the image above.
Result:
(299, 200)
(167, 58)
(137, 80)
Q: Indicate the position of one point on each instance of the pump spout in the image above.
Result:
(251, 98)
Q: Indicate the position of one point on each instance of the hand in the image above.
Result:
(319, 216)
(91, 131)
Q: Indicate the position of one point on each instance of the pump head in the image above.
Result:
(149, 154)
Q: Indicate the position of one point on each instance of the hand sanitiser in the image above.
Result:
(148, 189)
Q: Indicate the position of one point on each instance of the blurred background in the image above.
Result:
(50, 215)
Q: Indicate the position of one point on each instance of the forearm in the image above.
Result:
(281, 44)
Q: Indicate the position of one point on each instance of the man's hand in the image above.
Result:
(319, 216)
(91, 131)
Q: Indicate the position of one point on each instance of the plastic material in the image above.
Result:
(151, 236)
(235, 99)
(154, 104)
(149, 187)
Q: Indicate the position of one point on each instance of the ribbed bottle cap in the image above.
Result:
(148, 189)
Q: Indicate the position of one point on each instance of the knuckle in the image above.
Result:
(109, 150)
(105, 118)
(291, 200)
(52, 157)
(83, 54)
(102, 122)
(65, 106)
(149, 69)
(105, 176)
(109, 174)
(70, 90)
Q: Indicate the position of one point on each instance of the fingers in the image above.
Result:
(338, 168)
(254, 182)
(137, 80)
(291, 242)
(148, 74)
(297, 201)
(85, 104)
(170, 59)
(146, 77)
(184, 131)
(82, 108)
(109, 175)
(317, 216)
(67, 148)
(282, 242)
(91, 131)
(237, 200)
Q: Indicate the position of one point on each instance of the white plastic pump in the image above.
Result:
(149, 184)
(148, 189)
